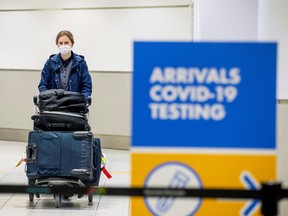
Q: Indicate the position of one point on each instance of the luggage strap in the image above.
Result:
(79, 115)
(105, 171)
(104, 161)
(23, 159)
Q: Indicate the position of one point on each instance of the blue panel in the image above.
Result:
(204, 95)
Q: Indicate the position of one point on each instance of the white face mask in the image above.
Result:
(65, 49)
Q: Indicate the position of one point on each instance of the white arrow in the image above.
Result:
(250, 183)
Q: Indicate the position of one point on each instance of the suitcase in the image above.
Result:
(60, 100)
(60, 121)
(75, 155)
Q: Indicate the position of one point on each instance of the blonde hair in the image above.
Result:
(65, 33)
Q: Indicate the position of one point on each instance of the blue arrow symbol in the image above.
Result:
(251, 184)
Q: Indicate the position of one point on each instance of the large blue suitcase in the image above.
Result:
(75, 155)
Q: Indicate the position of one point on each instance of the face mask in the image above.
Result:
(65, 49)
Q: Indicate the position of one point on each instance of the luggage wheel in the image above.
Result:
(31, 197)
(90, 198)
(31, 182)
(57, 198)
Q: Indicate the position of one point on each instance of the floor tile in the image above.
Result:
(18, 204)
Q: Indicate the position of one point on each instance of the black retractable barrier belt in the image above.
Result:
(269, 194)
(139, 191)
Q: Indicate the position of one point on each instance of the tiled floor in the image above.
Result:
(19, 205)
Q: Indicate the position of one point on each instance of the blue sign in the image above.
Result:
(189, 94)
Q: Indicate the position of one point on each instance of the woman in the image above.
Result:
(66, 70)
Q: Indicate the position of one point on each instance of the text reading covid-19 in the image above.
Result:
(192, 93)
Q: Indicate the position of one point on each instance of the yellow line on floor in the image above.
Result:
(120, 172)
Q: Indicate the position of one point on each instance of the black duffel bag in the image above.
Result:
(60, 100)
(60, 121)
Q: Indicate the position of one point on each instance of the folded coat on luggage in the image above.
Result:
(60, 100)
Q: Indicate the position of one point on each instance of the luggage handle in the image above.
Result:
(89, 101)
(59, 125)
(35, 101)
(31, 153)
(83, 135)
(81, 173)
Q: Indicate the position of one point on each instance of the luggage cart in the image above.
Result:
(76, 176)
(50, 182)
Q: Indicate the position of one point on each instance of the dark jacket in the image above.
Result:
(79, 80)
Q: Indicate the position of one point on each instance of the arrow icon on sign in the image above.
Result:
(251, 184)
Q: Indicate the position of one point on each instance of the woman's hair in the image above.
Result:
(65, 33)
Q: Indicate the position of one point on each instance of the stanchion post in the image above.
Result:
(270, 195)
